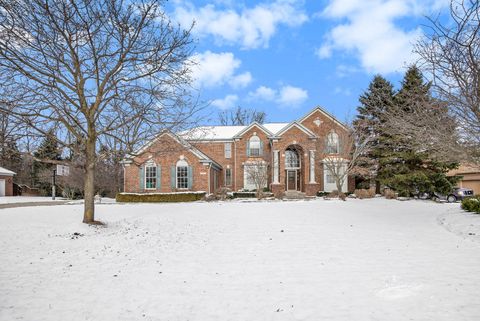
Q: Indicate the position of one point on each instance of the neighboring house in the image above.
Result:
(210, 157)
(6, 182)
(470, 177)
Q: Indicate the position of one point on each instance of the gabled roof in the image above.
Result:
(324, 112)
(225, 133)
(6, 172)
(299, 126)
(247, 128)
(200, 155)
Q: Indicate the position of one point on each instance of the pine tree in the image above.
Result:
(402, 166)
(374, 103)
(48, 150)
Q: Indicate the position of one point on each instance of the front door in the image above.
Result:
(291, 180)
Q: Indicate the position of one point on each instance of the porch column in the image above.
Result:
(312, 166)
(276, 172)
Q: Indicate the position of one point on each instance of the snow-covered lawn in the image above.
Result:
(314, 260)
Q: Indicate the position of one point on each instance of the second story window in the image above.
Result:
(333, 145)
(228, 150)
(254, 147)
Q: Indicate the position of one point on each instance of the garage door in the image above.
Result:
(475, 185)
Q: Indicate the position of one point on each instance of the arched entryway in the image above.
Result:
(293, 168)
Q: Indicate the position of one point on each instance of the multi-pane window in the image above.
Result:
(330, 178)
(254, 146)
(228, 150)
(332, 143)
(228, 176)
(150, 177)
(291, 159)
(182, 174)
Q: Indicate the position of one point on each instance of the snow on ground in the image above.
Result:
(27, 199)
(314, 260)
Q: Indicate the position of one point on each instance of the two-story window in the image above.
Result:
(228, 150)
(333, 144)
(254, 147)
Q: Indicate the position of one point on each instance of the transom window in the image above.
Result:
(254, 146)
(332, 143)
(291, 159)
(182, 174)
(151, 176)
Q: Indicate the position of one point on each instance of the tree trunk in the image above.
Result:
(339, 182)
(89, 186)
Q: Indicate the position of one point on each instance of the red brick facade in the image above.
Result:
(208, 162)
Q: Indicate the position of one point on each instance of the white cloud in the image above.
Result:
(216, 69)
(251, 28)
(370, 30)
(286, 96)
(242, 80)
(228, 102)
(263, 93)
(292, 96)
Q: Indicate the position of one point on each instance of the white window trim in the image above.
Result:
(229, 150)
(176, 173)
(150, 165)
(231, 177)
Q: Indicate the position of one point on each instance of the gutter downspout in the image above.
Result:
(235, 165)
(209, 170)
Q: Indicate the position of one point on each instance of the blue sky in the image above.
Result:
(285, 56)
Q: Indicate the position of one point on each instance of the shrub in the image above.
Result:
(471, 204)
(322, 193)
(337, 194)
(365, 193)
(389, 194)
(160, 197)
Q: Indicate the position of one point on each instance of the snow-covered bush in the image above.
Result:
(471, 204)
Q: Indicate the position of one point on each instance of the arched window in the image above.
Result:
(291, 159)
(254, 147)
(333, 144)
(182, 174)
(150, 175)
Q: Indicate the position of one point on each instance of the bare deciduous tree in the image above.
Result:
(342, 150)
(241, 116)
(450, 55)
(256, 172)
(95, 69)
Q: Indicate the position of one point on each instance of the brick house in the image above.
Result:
(207, 158)
(6, 182)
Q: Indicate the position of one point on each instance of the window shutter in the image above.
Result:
(260, 152)
(190, 177)
(173, 177)
(141, 175)
(248, 148)
(159, 176)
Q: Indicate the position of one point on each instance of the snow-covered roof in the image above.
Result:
(224, 132)
(6, 172)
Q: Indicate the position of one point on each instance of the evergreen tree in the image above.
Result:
(402, 167)
(48, 150)
(374, 103)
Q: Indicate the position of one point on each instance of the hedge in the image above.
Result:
(471, 204)
(160, 197)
